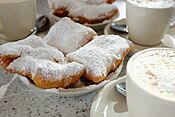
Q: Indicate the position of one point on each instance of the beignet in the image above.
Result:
(13, 50)
(67, 36)
(47, 74)
(101, 56)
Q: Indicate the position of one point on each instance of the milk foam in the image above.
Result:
(154, 3)
(155, 71)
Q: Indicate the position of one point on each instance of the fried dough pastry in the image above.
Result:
(101, 56)
(13, 50)
(67, 36)
(47, 74)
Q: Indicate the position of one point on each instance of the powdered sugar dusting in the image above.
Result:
(156, 70)
(93, 11)
(51, 54)
(154, 3)
(50, 71)
(68, 36)
(33, 41)
(99, 54)
(22, 46)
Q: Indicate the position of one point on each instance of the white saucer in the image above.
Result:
(109, 102)
(167, 40)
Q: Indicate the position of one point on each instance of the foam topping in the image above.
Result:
(156, 70)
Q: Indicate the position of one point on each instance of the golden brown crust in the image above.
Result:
(61, 12)
(87, 39)
(5, 60)
(110, 1)
(100, 19)
(63, 83)
(46, 84)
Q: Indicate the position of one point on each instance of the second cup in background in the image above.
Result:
(148, 24)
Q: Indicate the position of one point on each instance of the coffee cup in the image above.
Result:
(17, 19)
(150, 83)
(148, 20)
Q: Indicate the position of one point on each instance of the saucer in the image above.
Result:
(167, 40)
(109, 102)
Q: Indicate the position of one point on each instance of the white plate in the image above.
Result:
(167, 40)
(74, 91)
(109, 102)
(121, 7)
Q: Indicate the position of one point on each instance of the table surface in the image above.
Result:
(18, 100)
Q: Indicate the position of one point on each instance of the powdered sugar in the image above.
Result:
(50, 71)
(100, 54)
(22, 46)
(68, 36)
(51, 54)
(93, 11)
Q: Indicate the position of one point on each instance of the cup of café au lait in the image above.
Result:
(17, 18)
(150, 83)
(148, 20)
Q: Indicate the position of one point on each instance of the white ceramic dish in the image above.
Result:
(109, 102)
(167, 40)
(76, 91)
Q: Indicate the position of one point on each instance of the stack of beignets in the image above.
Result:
(83, 12)
(44, 65)
(47, 64)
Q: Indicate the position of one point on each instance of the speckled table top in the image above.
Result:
(18, 100)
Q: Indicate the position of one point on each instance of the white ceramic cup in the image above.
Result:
(142, 100)
(17, 19)
(146, 25)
